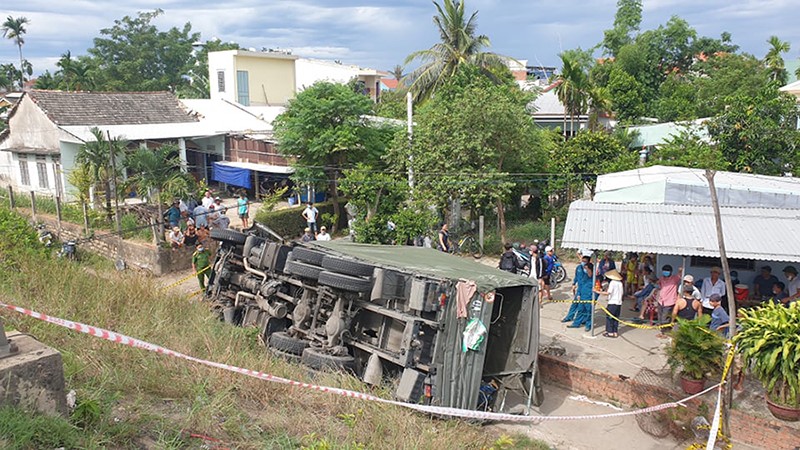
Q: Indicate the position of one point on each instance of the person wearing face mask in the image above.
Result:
(793, 288)
(580, 273)
(200, 262)
(668, 293)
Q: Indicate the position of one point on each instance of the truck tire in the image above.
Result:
(282, 342)
(285, 355)
(229, 236)
(302, 269)
(308, 256)
(347, 267)
(316, 359)
(344, 282)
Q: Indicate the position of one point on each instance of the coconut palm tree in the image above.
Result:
(14, 29)
(156, 172)
(573, 88)
(397, 72)
(774, 59)
(95, 158)
(459, 45)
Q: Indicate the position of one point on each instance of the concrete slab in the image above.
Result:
(33, 378)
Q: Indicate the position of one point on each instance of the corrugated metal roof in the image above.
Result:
(684, 230)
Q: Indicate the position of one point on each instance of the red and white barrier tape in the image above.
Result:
(439, 410)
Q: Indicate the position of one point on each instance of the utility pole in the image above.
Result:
(410, 132)
(117, 217)
(728, 395)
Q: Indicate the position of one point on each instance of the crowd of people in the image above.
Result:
(671, 294)
(190, 221)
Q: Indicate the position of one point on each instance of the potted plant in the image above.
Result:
(695, 351)
(769, 342)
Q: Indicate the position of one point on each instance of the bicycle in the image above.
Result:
(467, 245)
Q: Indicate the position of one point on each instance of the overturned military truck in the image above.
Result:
(444, 330)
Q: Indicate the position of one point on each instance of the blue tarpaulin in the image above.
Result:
(231, 175)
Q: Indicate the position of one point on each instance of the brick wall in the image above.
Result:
(745, 428)
(157, 260)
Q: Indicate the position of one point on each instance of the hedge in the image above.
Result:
(289, 222)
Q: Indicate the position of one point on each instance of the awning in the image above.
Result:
(239, 173)
(763, 234)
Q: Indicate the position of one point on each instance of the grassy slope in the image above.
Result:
(130, 398)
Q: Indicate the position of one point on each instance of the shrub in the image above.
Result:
(770, 346)
(695, 350)
(289, 222)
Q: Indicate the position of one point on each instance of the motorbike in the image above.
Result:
(69, 250)
(45, 236)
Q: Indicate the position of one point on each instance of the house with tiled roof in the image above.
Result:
(46, 129)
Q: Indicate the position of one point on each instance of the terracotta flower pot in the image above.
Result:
(783, 412)
(691, 386)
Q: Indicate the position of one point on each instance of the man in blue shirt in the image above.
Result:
(579, 271)
(549, 264)
(583, 315)
(719, 318)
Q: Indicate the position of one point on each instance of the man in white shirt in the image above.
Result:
(310, 214)
(208, 200)
(711, 285)
(323, 234)
(793, 288)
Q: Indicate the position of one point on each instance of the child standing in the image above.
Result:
(614, 293)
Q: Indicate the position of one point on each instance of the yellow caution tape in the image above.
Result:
(184, 279)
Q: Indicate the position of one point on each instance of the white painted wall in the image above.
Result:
(224, 61)
(309, 71)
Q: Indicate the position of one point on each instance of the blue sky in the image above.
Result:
(380, 33)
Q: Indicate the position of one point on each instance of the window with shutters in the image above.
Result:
(41, 171)
(243, 87)
(24, 175)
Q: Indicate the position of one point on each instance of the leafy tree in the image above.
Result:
(708, 46)
(758, 134)
(588, 154)
(48, 81)
(723, 76)
(627, 96)
(14, 29)
(626, 21)
(323, 127)
(458, 46)
(134, 55)
(468, 140)
(392, 104)
(95, 158)
(690, 149)
(198, 85)
(158, 171)
(774, 59)
(677, 97)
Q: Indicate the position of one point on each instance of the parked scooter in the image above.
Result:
(69, 250)
(45, 236)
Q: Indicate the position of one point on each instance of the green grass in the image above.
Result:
(130, 398)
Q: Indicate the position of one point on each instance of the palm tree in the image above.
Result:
(48, 81)
(14, 29)
(573, 89)
(158, 171)
(774, 59)
(397, 72)
(459, 45)
(95, 158)
(66, 63)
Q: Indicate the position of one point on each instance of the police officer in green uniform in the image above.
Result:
(200, 263)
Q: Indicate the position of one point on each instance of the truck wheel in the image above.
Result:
(302, 269)
(229, 236)
(344, 282)
(318, 360)
(281, 341)
(308, 256)
(285, 355)
(347, 267)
